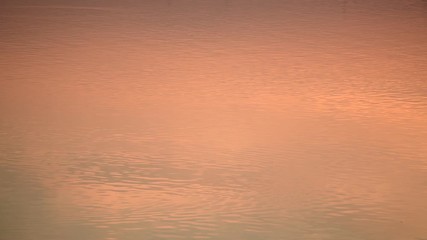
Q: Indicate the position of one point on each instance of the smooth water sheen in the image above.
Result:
(225, 119)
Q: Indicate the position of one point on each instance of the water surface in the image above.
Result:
(232, 119)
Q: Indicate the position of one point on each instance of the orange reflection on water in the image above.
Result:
(280, 118)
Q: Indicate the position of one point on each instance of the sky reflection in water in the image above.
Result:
(213, 119)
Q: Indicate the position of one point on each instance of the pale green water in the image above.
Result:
(196, 119)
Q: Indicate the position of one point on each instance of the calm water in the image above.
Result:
(227, 119)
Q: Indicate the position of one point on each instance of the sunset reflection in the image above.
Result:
(213, 120)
